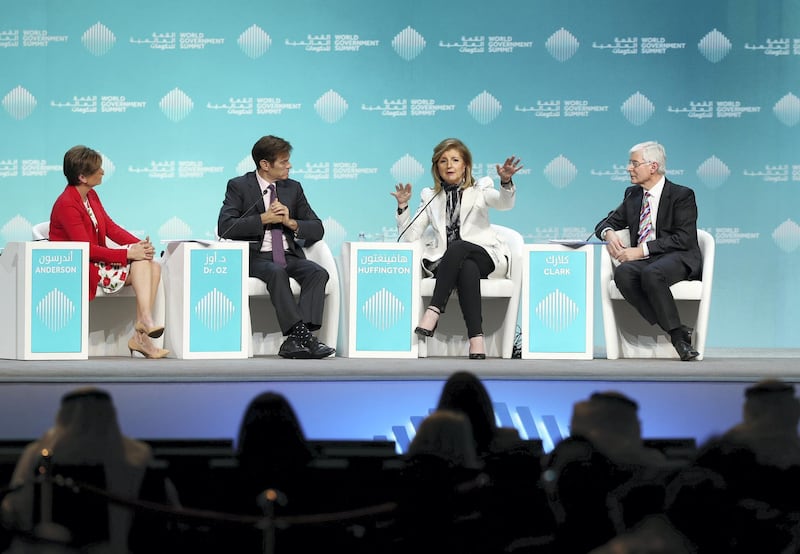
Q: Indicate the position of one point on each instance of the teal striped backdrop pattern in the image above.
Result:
(174, 94)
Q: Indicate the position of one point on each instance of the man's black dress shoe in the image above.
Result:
(318, 349)
(685, 351)
(291, 348)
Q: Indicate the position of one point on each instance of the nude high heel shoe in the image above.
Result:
(142, 344)
(153, 332)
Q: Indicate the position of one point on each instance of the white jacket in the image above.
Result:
(430, 226)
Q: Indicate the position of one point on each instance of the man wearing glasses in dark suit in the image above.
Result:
(662, 219)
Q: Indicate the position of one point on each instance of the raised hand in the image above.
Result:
(402, 193)
(509, 168)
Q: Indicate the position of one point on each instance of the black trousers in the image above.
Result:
(645, 285)
(312, 279)
(462, 267)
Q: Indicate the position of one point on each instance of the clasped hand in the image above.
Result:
(276, 213)
(619, 251)
(142, 250)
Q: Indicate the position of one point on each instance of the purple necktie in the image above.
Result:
(276, 229)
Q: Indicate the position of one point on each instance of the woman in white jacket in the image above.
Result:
(459, 246)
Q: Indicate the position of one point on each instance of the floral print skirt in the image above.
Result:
(112, 276)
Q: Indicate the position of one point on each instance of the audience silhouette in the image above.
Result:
(603, 480)
(740, 493)
(514, 504)
(273, 476)
(769, 424)
(465, 485)
(438, 507)
(464, 392)
(87, 445)
(271, 449)
(609, 419)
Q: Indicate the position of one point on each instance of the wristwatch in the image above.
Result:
(401, 210)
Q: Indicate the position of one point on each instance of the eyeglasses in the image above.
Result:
(636, 164)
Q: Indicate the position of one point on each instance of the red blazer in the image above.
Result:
(69, 221)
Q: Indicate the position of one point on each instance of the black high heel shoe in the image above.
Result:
(422, 331)
(478, 355)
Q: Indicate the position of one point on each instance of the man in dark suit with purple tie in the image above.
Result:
(662, 219)
(266, 199)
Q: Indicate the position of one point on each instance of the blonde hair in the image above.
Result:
(438, 152)
(446, 434)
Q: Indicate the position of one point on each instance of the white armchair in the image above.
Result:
(110, 323)
(500, 308)
(266, 335)
(628, 335)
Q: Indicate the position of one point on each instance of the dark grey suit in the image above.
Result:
(240, 219)
(674, 253)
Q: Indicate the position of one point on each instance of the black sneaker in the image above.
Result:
(291, 348)
(317, 349)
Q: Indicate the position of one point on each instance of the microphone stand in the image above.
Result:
(605, 219)
(238, 219)
(419, 213)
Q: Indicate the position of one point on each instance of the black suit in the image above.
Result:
(674, 253)
(240, 219)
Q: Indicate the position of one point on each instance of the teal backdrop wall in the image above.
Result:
(175, 93)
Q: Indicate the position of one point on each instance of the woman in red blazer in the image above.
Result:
(79, 216)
